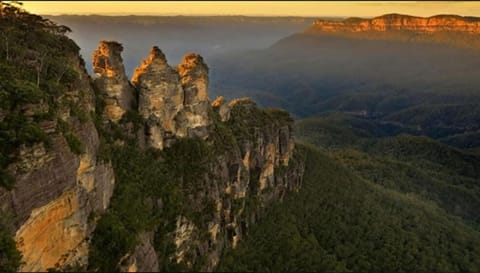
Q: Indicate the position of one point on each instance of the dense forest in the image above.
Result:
(376, 197)
(346, 219)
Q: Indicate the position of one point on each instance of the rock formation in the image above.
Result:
(161, 97)
(111, 79)
(173, 101)
(391, 22)
(223, 109)
(444, 30)
(194, 77)
(256, 167)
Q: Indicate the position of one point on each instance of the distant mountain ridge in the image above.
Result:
(396, 21)
(451, 30)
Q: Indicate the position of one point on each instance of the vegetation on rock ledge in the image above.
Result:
(34, 79)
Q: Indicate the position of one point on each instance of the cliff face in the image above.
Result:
(58, 192)
(391, 22)
(257, 167)
(445, 30)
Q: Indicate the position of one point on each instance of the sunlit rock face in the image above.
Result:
(58, 201)
(161, 97)
(222, 107)
(402, 22)
(174, 101)
(45, 236)
(111, 80)
(194, 78)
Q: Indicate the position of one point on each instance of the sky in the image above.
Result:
(254, 8)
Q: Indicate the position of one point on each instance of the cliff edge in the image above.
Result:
(394, 21)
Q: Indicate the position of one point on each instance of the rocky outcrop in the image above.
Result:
(391, 22)
(194, 78)
(161, 97)
(221, 105)
(111, 80)
(173, 101)
(144, 257)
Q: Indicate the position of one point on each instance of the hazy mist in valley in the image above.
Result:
(178, 35)
(413, 81)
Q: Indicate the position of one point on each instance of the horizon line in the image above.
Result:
(183, 15)
(121, 14)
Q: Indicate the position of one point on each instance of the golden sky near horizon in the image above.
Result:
(254, 8)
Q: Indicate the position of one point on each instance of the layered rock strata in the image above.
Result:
(59, 194)
(194, 78)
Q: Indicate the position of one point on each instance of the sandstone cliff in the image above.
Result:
(391, 22)
(160, 97)
(59, 191)
(445, 30)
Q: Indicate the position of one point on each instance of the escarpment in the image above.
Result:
(391, 22)
(140, 175)
(451, 30)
